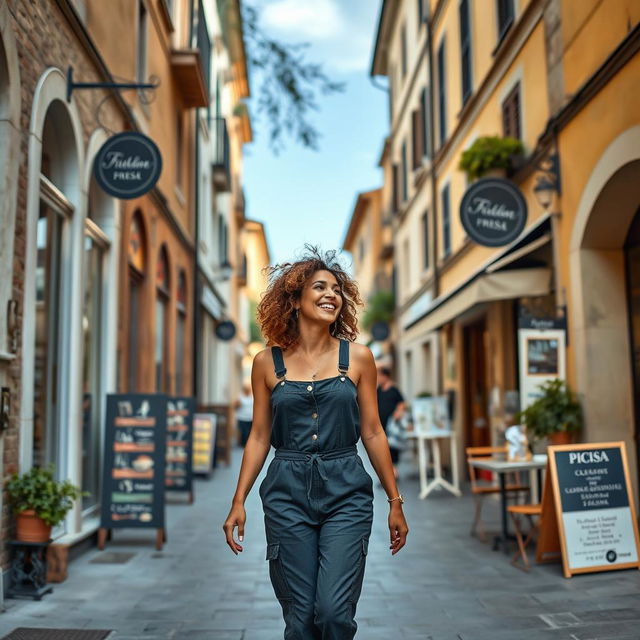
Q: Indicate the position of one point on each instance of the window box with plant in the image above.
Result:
(40, 502)
(555, 415)
(491, 156)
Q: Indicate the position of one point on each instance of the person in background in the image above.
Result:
(244, 412)
(390, 403)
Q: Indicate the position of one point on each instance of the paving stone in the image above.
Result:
(444, 585)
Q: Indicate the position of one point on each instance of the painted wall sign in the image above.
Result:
(226, 330)
(380, 331)
(179, 471)
(493, 212)
(594, 507)
(134, 461)
(128, 165)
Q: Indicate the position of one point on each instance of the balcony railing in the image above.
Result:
(221, 169)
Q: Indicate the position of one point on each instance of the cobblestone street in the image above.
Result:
(443, 585)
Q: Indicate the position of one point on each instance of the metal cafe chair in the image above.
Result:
(518, 512)
(481, 489)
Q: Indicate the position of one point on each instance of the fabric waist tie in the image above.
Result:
(316, 459)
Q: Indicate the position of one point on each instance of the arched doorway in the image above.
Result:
(602, 250)
(137, 259)
(163, 298)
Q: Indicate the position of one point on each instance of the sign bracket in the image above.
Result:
(78, 86)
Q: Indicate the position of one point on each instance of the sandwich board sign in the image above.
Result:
(588, 512)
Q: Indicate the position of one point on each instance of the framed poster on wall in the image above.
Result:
(542, 355)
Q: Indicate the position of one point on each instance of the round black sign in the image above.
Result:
(380, 331)
(128, 165)
(226, 330)
(493, 212)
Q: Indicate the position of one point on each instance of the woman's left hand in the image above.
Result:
(398, 529)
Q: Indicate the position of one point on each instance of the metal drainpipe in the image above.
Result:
(196, 273)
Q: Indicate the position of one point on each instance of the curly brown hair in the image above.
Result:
(275, 312)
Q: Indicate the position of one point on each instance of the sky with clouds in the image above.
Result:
(308, 196)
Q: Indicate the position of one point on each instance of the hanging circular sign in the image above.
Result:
(380, 330)
(226, 330)
(128, 165)
(493, 212)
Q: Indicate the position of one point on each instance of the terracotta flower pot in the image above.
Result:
(31, 528)
(561, 437)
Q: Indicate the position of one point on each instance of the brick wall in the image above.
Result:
(44, 39)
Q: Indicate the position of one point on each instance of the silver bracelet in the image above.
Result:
(399, 497)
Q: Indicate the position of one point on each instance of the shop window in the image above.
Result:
(465, 49)
(162, 309)
(442, 93)
(95, 247)
(181, 325)
(511, 114)
(137, 266)
(46, 434)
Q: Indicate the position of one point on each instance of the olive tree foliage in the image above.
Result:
(287, 84)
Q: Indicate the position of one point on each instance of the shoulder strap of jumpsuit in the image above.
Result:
(343, 356)
(278, 361)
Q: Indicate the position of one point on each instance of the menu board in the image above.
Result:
(179, 471)
(134, 461)
(204, 436)
(594, 507)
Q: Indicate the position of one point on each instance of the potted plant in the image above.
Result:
(491, 155)
(40, 502)
(555, 415)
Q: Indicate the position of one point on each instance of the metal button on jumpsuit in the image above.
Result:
(318, 503)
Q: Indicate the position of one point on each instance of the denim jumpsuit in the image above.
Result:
(318, 503)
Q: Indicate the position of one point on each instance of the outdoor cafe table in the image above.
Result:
(502, 468)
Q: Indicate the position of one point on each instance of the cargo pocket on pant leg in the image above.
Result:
(356, 587)
(276, 572)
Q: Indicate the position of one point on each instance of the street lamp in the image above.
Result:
(548, 182)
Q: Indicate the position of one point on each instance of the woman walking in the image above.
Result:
(316, 495)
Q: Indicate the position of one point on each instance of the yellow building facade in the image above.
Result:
(560, 77)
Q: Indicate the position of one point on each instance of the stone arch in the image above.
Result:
(599, 309)
(55, 135)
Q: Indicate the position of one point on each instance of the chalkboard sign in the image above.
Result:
(204, 437)
(594, 507)
(179, 472)
(134, 463)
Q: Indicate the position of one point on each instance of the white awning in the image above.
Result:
(501, 285)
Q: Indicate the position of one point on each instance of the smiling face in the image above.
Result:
(321, 298)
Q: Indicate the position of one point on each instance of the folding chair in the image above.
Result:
(517, 511)
(480, 490)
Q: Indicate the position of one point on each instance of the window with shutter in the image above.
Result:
(405, 168)
(442, 94)
(403, 52)
(511, 114)
(396, 187)
(424, 104)
(465, 49)
(446, 222)
(425, 239)
(416, 131)
(505, 16)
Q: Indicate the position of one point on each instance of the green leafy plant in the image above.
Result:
(489, 152)
(425, 394)
(380, 308)
(38, 489)
(557, 409)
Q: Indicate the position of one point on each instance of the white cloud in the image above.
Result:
(336, 31)
(315, 19)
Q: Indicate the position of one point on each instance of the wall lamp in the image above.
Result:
(548, 181)
(224, 271)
